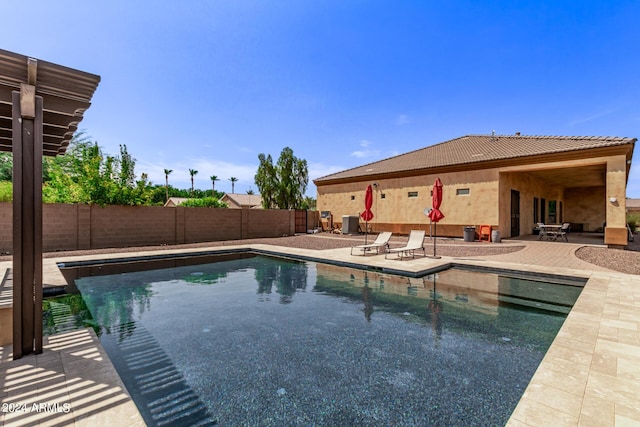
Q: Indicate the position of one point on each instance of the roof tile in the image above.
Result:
(476, 149)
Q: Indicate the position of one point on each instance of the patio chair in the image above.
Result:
(542, 233)
(415, 242)
(484, 233)
(562, 233)
(382, 241)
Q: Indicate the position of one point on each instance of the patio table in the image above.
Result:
(550, 231)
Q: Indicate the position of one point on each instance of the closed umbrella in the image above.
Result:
(367, 215)
(435, 215)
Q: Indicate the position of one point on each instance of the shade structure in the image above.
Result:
(367, 215)
(41, 105)
(435, 215)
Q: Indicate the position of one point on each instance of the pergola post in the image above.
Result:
(27, 114)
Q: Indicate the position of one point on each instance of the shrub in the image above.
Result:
(204, 202)
(6, 191)
(633, 219)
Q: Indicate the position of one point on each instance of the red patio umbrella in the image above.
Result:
(435, 215)
(367, 215)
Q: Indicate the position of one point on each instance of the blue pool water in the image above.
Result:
(266, 341)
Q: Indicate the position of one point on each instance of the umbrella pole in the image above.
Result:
(435, 234)
(366, 230)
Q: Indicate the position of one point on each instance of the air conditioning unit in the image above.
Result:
(350, 224)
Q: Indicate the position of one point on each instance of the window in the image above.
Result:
(462, 192)
(412, 194)
(552, 212)
(536, 216)
(382, 195)
(543, 204)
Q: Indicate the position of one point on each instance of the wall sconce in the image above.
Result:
(613, 200)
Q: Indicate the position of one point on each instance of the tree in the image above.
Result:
(250, 191)
(166, 180)
(6, 167)
(214, 178)
(86, 175)
(282, 185)
(233, 180)
(192, 172)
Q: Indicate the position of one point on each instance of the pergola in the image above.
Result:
(41, 105)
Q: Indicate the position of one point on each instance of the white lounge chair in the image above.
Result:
(382, 241)
(415, 242)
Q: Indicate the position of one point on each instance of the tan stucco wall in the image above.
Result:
(615, 232)
(529, 187)
(478, 207)
(586, 206)
(489, 199)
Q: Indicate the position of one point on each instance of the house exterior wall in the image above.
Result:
(529, 187)
(399, 213)
(489, 197)
(586, 206)
(615, 233)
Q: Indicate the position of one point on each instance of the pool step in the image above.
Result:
(63, 320)
(159, 389)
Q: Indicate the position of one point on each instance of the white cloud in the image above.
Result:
(318, 170)
(402, 119)
(366, 151)
(592, 117)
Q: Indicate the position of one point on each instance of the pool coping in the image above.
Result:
(591, 372)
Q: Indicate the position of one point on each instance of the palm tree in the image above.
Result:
(192, 172)
(214, 178)
(233, 180)
(167, 172)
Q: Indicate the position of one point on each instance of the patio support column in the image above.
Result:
(615, 233)
(27, 116)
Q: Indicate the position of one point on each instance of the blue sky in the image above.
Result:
(209, 85)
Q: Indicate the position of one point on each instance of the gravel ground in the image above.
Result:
(324, 241)
(624, 261)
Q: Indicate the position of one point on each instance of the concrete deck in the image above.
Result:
(589, 376)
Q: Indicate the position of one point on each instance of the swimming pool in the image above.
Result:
(266, 341)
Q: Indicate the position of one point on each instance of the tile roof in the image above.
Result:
(478, 148)
(244, 199)
(633, 203)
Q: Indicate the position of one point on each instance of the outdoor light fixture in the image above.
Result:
(613, 200)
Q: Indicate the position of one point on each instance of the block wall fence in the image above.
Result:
(80, 227)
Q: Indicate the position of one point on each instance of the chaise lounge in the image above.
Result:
(382, 241)
(415, 242)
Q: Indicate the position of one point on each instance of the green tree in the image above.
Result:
(193, 173)
(167, 172)
(233, 180)
(86, 175)
(6, 167)
(282, 185)
(214, 178)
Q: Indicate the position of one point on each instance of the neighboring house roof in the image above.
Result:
(242, 200)
(478, 148)
(175, 201)
(633, 204)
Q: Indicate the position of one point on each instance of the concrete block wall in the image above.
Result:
(77, 227)
(209, 225)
